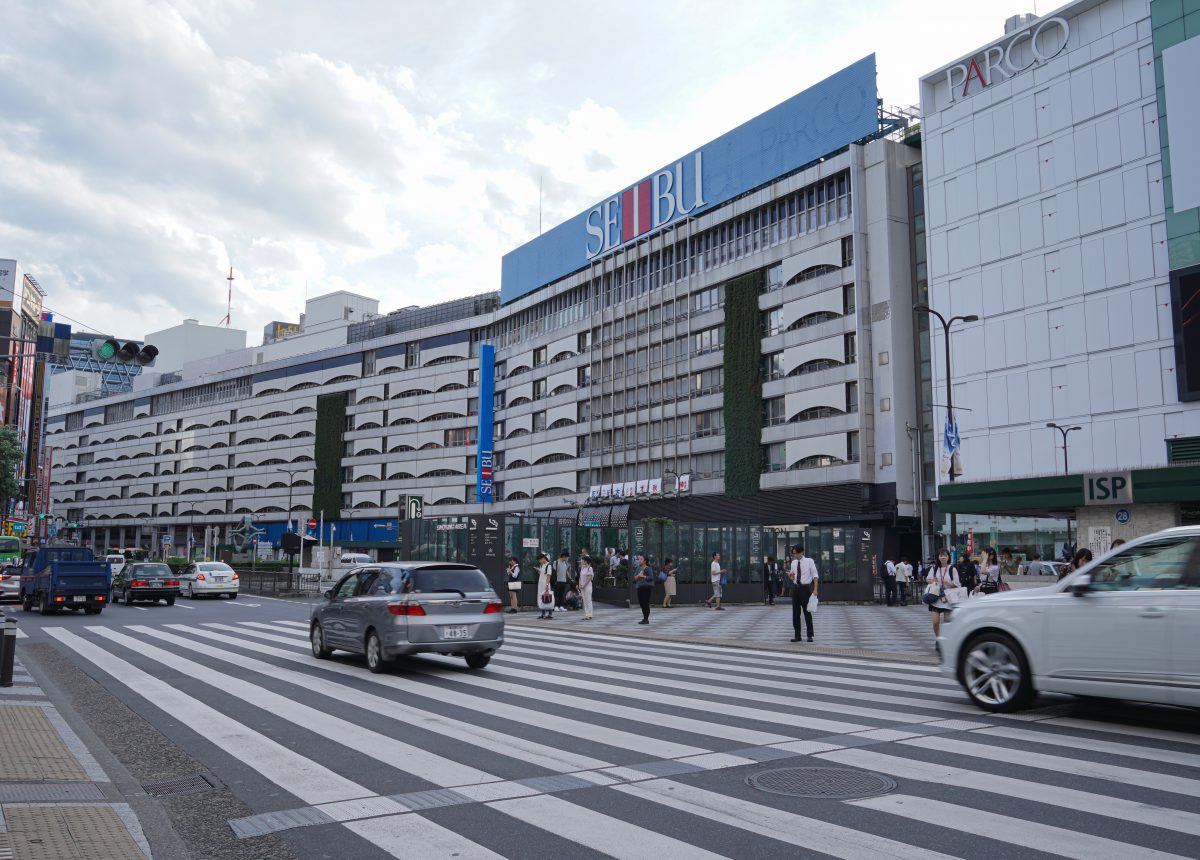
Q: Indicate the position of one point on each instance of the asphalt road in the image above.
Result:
(579, 745)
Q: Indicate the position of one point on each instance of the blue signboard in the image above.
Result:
(822, 119)
(487, 379)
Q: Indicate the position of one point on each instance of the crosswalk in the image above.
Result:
(578, 744)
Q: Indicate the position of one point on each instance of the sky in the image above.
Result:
(386, 147)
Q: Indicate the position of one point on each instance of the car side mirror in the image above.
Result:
(329, 594)
(1080, 586)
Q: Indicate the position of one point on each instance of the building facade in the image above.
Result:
(1044, 195)
(612, 390)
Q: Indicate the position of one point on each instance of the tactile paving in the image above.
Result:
(69, 833)
(31, 748)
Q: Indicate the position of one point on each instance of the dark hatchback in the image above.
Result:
(147, 581)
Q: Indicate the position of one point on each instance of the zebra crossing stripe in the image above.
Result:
(599, 733)
(300, 776)
(1052, 795)
(412, 837)
(509, 744)
(1022, 832)
(1061, 764)
(408, 758)
(1076, 742)
(1116, 729)
(601, 833)
(814, 834)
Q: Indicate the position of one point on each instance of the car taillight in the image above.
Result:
(200, 576)
(494, 606)
(60, 600)
(406, 609)
(171, 582)
(137, 583)
(235, 576)
(99, 597)
(4, 577)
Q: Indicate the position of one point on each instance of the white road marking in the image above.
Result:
(1171, 735)
(182, 606)
(1017, 831)
(275, 628)
(411, 837)
(432, 768)
(595, 732)
(1061, 765)
(1077, 742)
(21, 634)
(300, 776)
(812, 833)
(243, 604)
(618, 839)
(509, 744)
(1054, 796)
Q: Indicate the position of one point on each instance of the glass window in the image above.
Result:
(1155, 565)
(346, 587)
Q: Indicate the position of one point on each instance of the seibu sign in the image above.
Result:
(1039, 44)
(646, 206)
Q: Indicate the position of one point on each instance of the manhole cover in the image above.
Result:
(830, 782)
(180, 785)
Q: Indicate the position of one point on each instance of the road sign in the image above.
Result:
(166, 540)
(312, 524)
(1123, 516)
(415, 507)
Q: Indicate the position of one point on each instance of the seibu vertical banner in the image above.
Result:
(487, 385)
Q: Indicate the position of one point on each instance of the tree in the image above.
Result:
(10, 457)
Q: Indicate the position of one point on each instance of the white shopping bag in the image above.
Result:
(812, 604)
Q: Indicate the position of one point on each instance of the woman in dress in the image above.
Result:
(670, 584)
(941, 576)
(586, 577)
(545, 593)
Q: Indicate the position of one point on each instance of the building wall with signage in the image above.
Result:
(1045, 209)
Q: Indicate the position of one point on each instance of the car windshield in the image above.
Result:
(10, 546)
(216, 567)
(433, 580)
(148, 570)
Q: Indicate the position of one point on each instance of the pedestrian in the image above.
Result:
(1082, 558)
(904, 574)
(545, 594)
(941, 577)
(1035, 566)
(670, 584)
(623, 568)
(805, 579)
(770, 573)
(889, 581)
(716, 574)
(572, 600)
(562, 577)
(514, 584)
(989, 574)
(1008, 565)
(586, 576)
(644, 582)
(1116, 543)
(967, 571)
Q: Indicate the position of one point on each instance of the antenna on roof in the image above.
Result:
(539, 204)
(228, 320)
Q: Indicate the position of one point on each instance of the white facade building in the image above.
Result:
(190, 341)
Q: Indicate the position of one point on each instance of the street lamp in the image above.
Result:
(1064, 431)
(946, 323)
(291, 473)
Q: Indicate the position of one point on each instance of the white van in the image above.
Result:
(350, 559)
(117, 561)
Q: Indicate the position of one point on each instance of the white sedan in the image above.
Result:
(1124, 627)
(208, 577)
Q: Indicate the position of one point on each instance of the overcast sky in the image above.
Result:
(388, 147)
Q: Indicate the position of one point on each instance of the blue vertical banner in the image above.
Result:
(487, 386)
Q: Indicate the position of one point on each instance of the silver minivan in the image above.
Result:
(386, 611)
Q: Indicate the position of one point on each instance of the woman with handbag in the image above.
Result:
(586, 576)
(670, 586)
(514, 583)
(989, 574)
(941, 577)
(644, 581)
(545, 591)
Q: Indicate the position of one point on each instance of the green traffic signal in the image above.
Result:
(106, 350)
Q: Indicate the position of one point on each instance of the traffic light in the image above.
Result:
(129, 352)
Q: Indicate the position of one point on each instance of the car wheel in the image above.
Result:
(233, 596)
(126, 599)
(171, 601)
(317, 637)
(27, 603)
(45, 607)
(478, 661)
(994, 672)
(191, 592)
(375, 660)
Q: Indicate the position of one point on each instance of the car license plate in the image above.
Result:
(220, 578)
(79, 598)
(456, 631)
(156, 583)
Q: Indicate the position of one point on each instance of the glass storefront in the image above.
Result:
(1025, 536)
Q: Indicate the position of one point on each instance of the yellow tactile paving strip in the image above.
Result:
(30, 747)
(67, 833)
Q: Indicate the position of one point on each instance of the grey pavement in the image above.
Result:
(581, 743)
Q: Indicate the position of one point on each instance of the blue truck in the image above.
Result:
(64, 577)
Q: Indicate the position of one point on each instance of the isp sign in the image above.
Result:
(1113, 488)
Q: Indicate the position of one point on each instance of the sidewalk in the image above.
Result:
(892, 632)
(56, 802)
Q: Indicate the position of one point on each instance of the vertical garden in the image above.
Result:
(743, 386)
(327, 451)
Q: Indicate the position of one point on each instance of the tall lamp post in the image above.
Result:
(291, 473)
(946, 323)
(1066, 468)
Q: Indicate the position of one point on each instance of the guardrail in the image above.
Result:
(273, 583)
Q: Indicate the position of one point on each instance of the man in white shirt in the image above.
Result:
(715, 572)
(889, 581)
(805, 579)
(904, 573)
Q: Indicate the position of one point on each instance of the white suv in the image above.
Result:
(1124, 627)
